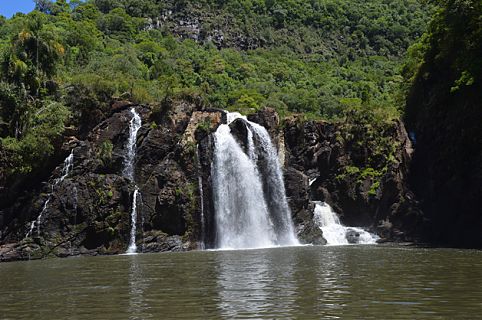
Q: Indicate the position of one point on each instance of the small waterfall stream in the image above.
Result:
(245, 210)
(334, 232)
(201, 196)
(134, 126)
(75, 205)
(132, 243)
(66, 170)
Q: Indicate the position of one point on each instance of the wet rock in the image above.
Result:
(20, 251)
(309, 233)
(298, 194)
(161, 242)
(352, 236)
(240, 132)
(347, 171)
(269, 119)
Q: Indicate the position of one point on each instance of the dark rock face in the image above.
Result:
(269, 119)
(379, 199)
(447, 167)
(240, 133)
(298, 193)
(443, 113)
(89, 211)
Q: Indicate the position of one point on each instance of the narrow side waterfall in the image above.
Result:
(66, 170)
(242, 210)
(132, 243)
(134, 126)
(201, 196)
(337, 234)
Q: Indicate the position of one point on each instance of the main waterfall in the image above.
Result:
(251, 210)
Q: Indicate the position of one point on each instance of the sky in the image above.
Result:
(9, 7)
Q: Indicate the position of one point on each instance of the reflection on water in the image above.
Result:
(138, 308)
(302, 282)
(252, 284)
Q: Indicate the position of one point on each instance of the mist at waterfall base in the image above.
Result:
(251, 210)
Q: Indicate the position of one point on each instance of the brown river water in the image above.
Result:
(344, 282)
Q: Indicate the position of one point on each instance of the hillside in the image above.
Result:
(64, 64)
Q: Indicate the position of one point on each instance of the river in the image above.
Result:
(314, 282)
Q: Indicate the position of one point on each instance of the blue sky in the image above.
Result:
(9, 7)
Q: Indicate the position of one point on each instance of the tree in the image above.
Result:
(44, 6)
(33, 55)
(60, 6)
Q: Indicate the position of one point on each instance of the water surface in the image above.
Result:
(349, 282)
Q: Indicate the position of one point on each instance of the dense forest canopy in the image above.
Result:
(64, 63)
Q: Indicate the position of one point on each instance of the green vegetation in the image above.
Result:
(372, 145)
(64, 63)
(449, 53)
(105, 152)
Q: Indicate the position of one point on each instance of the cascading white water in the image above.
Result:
(334, 232)
(201, 196)
(134, 126)
(132, 243)
(274, 186)
(38, 221)
(242, 215)
(66, 169)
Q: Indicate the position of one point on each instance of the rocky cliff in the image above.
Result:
(88, 212)
(359, 167)
(444, 114)
(344, 166)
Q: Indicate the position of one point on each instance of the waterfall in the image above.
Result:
(134, 126)
(132, 243)
(66, 170)
(201, 196)
(75, 205)
(245, 216)
(334, 232)
(274, 187)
